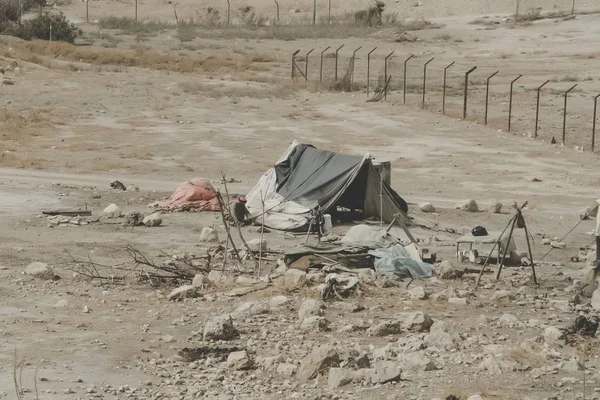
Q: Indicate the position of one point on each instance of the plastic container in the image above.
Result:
(327, 225)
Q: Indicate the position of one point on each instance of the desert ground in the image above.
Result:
(155, 107)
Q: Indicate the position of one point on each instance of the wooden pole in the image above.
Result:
(529, 248)
(492, 251)
(262, 233)
(510, 234)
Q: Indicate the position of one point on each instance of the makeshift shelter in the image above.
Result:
(306, 177)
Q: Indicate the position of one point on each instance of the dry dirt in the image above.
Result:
(153, 111)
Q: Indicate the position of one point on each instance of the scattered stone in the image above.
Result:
(184, 292)
(502, 294)
(416, 322)
(427, 207)
(417, 293)
(417, 362)
(294, 279)
(573, 365)
(287, 370)
(208, 234)
(595, 302)
(200, 281)
(305, 262)
(41, 270)
(153, 220)
(386, 328)
(268, 363)
(495, 207)
(61, 304)
(118, 185)
(584, 325)
(112, 211)
(239, 360)
(220, 328)
(220, 278)
(315, 324)
(468, 205)
(458, 301)
(133, 218)
(310, 308)
(546, 242)
(475, 397)
(258, 245)
(278, 301)
(508, 320)
(558, 245)
(250, 309)
(386, 371)
(448, 270)
(7, 81)
(553, 334)
(320, 360)
(341, 376)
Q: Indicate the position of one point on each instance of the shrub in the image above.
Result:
(372, 16)
(130, 25)
(45, 26)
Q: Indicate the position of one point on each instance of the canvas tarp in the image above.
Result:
(305, 177)
(196, 194)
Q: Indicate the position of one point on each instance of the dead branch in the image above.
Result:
(227, 228)
(89, 269)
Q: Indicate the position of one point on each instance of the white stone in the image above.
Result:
(112, 211)
(257, 244)
(220, 328)
(417, 362)
(152, 220)
(239, 360)
(386, 371)
(417, 293)
(508, 320)
(208, 234)
(546, 242)
(200, 281)
(595, 302)
(319, 361)
(502, 294)
(448, 270)
(386, 328)
(341, 376)
(278, 301)
(61, 304)
(427, 207)
(287, 370)
(475, 397)
(553, 334)
(294, 279)
(184, 292)
(40, 270)
(315, 324)
(249, 309)
(416, 321)
(310, 308)
(468, 205)
(220, 278)
(458, 301)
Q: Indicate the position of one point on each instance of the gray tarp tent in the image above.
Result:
(305, 177)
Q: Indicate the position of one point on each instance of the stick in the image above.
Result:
(492, 251)
(529, 249)
(512, 228)
(262, 232)
(222, 207)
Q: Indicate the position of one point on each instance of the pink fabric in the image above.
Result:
(197, 194)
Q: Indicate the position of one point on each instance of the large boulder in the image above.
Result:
(220, 328)
(320, 360)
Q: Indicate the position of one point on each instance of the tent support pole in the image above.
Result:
(492, 251)
(380, 202)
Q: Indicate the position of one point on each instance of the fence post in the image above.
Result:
(537, 108)
(294, 63)
(336, 62)
(573, 8)
(369, 69)
(50, 31)
(87, 11)
(565, 115)
(594, 122)
(277, 11)
(329, 12)
(353, 59)
(306, 64)
(466, 92)
(404, 81)
(136, 10)
(385, 74)
(425, 80)
(510, 101)
(487, 95)
(228, 11)
(444, 88)
(321, 69)
(314, 12)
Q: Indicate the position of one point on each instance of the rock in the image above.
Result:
(386, 371)
(562, 305)
(117, 185)
(257, 244)
(573, 365)
(200, 281)
(468, 205)
(294, 279)
(133, 218)
(417, 293)
(417, 362)
(416, 322)
(112, 211)
(7, 81)
(458, 301)
(595, 302)
(246, 281)
(250, 309)
(239, 360)
(502, 294)
(315, 324)
(184, 292)
(341, 376)
(305, 262)
(287, 370)
(320, 360)
(220, 278)
(495, 207)
(208, 234)
(386, 328)
(220, 328)
(558, 245)
(448, 270)
(508, 320)
(153, 220)
(61, 304)
(427, 207)
(268, 363)
(41, 270)
(310, 308)
(553, 334)
(442, 340)
(546, 242)
(497, 365)
(278, 301)
(475, 397)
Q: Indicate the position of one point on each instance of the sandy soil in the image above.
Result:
(69, 127)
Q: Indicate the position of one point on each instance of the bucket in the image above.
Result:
(327, 225)
(385, 170)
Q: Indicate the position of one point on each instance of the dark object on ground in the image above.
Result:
(584, 326)
(240, 212)
(69, 213)
(452, 397)
(553, 141)
(117, 185)
(479, 231)
(197, 353)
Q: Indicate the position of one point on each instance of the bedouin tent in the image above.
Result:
(306, 177)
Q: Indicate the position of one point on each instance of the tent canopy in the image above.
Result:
(306, 177)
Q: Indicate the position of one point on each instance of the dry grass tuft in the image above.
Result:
(527, 356)
(138, 154)
(10, 160)
(18, 128)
